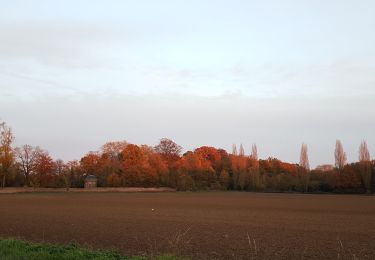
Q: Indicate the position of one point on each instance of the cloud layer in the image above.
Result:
(74, 75)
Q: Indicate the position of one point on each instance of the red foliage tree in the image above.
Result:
(44, 171)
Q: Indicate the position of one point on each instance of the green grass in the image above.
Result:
(14, 249)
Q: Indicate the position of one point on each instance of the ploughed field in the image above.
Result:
(205, 225)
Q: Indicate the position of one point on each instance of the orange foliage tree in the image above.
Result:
(193, 166)
(44, 175)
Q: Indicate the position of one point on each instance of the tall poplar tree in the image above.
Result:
(340, 156)
(305, 166)
(365, 166)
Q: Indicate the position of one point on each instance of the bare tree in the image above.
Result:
(234, 149)
(168, 149)
(6, 151)
(365, 166)
(305, 165)
(340, 156)
(304, 159)
(62, 170)
(254, 152)
(113, 149)
(242, 151)
(364, 154)
(26, 157)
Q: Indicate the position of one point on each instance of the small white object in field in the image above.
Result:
(152, 209)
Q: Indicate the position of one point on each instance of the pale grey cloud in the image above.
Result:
(313, 80)
(74, 74)
(61, 45)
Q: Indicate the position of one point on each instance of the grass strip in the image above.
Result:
(15, 249)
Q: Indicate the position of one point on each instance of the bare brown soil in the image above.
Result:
(216, 225)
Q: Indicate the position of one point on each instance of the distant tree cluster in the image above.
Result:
(121, 164)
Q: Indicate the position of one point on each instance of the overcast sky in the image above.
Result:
(76, 74)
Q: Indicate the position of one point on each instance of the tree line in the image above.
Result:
(122, 164)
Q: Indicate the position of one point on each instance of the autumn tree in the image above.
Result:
(199, 169)
(171, 153)
(224, 163)
(157, 165)
(212, 155)
(6, 151)
(137, 168)
(132, 160)
(234, 170)
(239, 169)
(365, 166)
(114, 149)
(349, 179)
(224, 179)
(168, 149)
(243, 180)
(26, 157)
(340, 156)
(244, 177)
(305, 166)
(110, 162)
(43, 176)
(90, 163)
